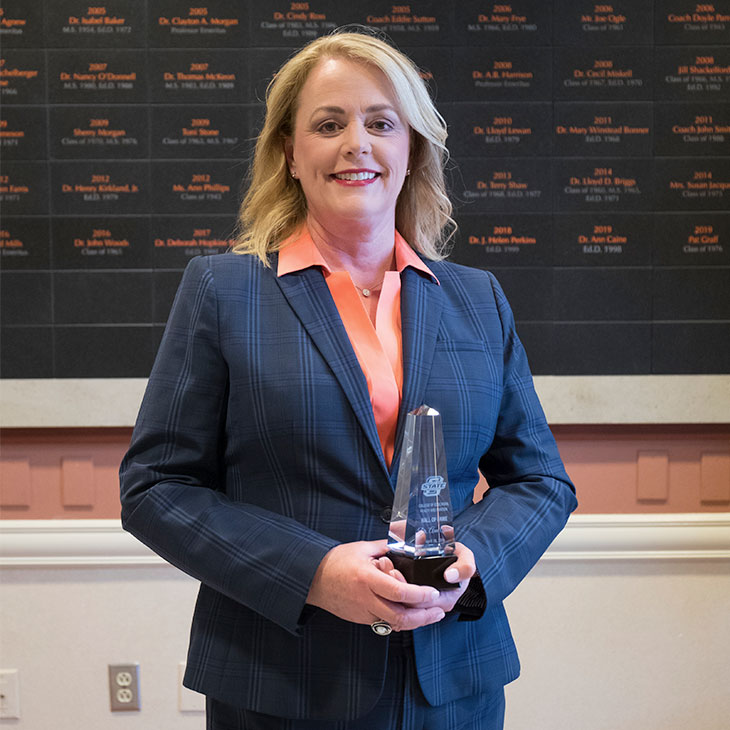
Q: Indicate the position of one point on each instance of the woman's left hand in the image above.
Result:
(459, 573)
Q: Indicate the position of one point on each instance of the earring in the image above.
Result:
(293, 174)
(408, 172)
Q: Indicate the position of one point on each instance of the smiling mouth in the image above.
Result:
(355, 176)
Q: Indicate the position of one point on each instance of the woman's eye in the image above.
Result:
(327, 127)
(382, 125)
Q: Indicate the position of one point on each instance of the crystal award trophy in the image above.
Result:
(421, 534)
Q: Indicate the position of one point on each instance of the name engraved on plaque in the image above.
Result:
(21, 77)
(293, 22)
(21, 24)
(520, 22)
(617, 184)
(693, 184)
(23, 188)
(687, 21)
(692, 239)
(702, 73)
(216, 22)
(586, 22)
(22, 133)
(510, 74)
(406, 22)
(175, 240)
(692, 129)
(603, 129)
(24, 243)
(509, 185)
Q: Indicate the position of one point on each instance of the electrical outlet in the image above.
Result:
(124, 687)
(9, 694)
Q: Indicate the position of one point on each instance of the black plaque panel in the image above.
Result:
(499, 130)
(165, 286)
(692, 239)
(538, 339)
(26, 352)
(588, 23)
(21, 24)
(692, 73)
(291, 24)
(417, 23)
(99, 132)
(504, 185)
(489, 241)
(178, 239)
(603, 129)
(22, 77)
(200, 76)
(23, 133)
(186, 24)
(690, 348)
(201, 131)
(619, 239)
(517, 23)
(261, 67)
(24, 188)
(529, 291)
(687, 22)
(603, 294)
(206, 186)
(692, 184)
(25, 297)
(101, 243)
(613, 184)
(100, 297)
(602, 348)
(610, 73)
(98, 188)
(436, 68)
(696, 293)
(77, 24)
(24, 244)
(97, 76)
(691, 129)
(502, 74)
(104, 352)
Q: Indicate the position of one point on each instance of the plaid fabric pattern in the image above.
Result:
(256, 451)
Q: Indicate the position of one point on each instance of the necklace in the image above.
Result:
(366, 291)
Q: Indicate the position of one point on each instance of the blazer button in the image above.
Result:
(386, 514)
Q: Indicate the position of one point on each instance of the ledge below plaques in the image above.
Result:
(620, 399)
(74, 543)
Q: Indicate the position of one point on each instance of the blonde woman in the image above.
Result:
(265, 455)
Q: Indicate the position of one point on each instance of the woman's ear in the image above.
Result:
(289, 154)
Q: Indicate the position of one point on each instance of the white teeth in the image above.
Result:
(355, 175)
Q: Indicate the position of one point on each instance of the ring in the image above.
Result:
(381, 628)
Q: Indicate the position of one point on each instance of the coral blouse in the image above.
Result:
(378, 348)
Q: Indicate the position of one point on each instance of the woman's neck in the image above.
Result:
(365, 254)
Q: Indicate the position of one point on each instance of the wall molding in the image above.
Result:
(695, 536)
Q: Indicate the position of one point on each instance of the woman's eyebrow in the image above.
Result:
(340, 110)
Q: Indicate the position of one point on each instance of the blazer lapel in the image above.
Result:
(309, 296)
(421, 305)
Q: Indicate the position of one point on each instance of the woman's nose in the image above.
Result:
(356, 139)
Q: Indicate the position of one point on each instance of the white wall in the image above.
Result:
(624, 625)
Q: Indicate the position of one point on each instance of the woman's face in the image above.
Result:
(350, 145)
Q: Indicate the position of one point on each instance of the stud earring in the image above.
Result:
(408, 172)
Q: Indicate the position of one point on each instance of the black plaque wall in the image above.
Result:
(591, 173)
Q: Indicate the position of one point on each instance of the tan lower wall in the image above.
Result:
(627, 644)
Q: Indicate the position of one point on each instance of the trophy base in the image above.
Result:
(424, 571)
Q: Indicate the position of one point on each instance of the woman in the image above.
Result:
(264, 458)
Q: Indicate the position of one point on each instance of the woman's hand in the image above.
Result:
(350, 583)
(459, 572)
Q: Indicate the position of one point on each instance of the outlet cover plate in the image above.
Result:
(124, 687)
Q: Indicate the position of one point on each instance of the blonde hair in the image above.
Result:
(274, 205)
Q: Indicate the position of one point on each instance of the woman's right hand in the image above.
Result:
(350, 585)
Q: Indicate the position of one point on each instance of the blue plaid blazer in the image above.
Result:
(256, 451)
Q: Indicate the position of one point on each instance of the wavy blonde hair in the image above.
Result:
(274, 205)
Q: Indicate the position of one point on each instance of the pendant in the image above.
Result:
(366, 292)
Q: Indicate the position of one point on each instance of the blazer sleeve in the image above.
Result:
(172, 477)
(530, 495)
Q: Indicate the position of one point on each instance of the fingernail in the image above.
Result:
(433, 595)
(452, 575)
